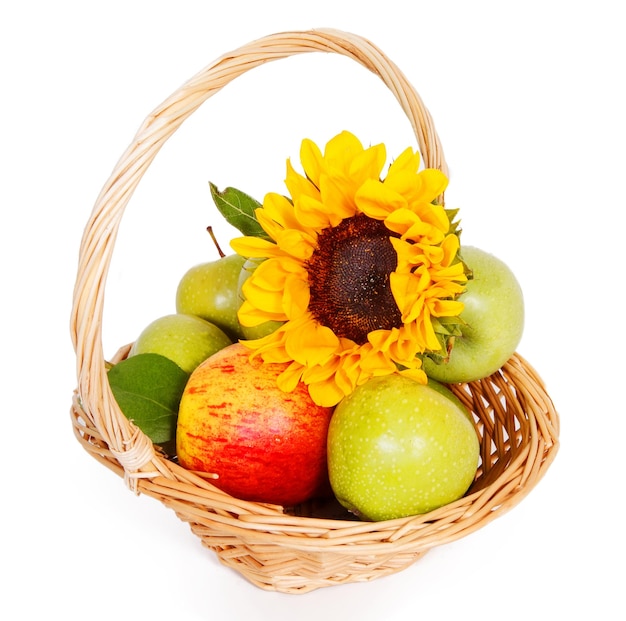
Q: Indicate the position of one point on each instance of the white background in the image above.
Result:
(528, 101)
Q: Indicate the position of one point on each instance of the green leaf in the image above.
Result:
(238, 208)
(148, 388)
(455, 225)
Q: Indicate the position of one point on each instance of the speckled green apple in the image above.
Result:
(265, 328)
(446, 392)
(493, 317)
(186, 340)
(398, 448)
(209, 291)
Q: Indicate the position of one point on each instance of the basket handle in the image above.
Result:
(130, 447)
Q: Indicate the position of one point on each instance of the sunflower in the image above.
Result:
(362, 272)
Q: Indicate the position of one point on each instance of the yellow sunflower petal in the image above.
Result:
(429, 234)
(298, 185)
(312, 213)
(295, 297)
(450, 246)
(338, 197)
(290, 377)
(415, 374)
(375, 362)
(277, 212)
(321, 372)
(326, 394)
(266, 302)
(297, 244)
(410, 225)
(397, 344)
(407, 289)
(424, 333)
(341, 150)
(432, 183)
(378, 201)
(381, 340)
(269, 348)
(255, 247)
(407, 161)
(408, 254)
(433, 214)
(405, 347)
(447, 308)
(403, 182)
(429, 255)
(270, 274)
(368, 164)
(249, 315)
(279, 290)
(311, 343)
(312, 160)
(348, 373)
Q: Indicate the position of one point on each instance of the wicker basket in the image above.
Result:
(300, 548)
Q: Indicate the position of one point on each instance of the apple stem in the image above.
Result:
(212, 234)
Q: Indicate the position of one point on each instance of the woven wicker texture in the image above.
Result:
(306, 547)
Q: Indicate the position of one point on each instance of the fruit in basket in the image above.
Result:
(398, 448)
(446, 392)
(209, 290)
(493, 321)
(263, 444)
(267, 327)
(186, 340)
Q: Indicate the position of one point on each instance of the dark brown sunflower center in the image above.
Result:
(349, 279)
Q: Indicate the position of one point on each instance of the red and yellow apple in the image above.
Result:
(263, 444)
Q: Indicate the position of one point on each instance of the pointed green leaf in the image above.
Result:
(148, 388)
(455, 225)
(238, 208)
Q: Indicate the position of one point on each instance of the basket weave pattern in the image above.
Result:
(300, 548)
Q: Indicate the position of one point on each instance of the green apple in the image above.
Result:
(186, 340)
(398, 448)
(209, 290)
(446, 392)
(493, 321)
(253, 332)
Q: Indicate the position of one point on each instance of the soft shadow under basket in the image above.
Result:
(301, 548)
